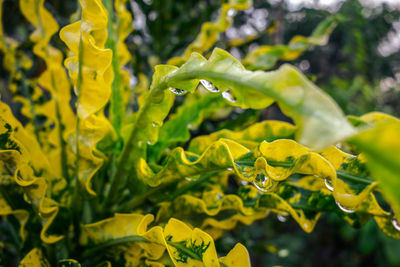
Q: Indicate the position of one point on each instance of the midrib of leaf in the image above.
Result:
(135, 202)
(114, 242)
(185, 250)
(289, 164)
(116, 178)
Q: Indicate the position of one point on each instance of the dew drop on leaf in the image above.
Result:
(281, 217)
(177, 91)
(283, 253)
(231, 12)
(262, 182)
(346, 210)
(154, 124)
(229, 169)
(328, 185)
(396, 223)
(243, 182)
(209, 86)
(148, 142)
(228, 96)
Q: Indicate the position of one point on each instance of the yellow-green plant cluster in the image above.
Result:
(96, 182)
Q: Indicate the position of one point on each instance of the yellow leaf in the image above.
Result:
(91, 73)
(34, 258)
(237, 257)
(209, 33)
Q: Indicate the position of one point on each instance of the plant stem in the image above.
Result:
(192, 184)
(117, 109)
(136, 202)
(115, 242)
(116, 178)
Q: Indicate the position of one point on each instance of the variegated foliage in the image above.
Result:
(104, 187)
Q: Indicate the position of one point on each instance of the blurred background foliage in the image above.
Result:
(359, 68)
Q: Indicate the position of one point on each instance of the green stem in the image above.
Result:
(117, 109)
(191, 185)
(140, 120)
(115, 242)
(136, 202)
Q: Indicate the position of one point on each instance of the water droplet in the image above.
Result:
(148, 142)
(154, 124)
(188, 179)
(177, 91)
(346, 210)
(243, 182)
(283, 253)
(228, 96)
(262, 183)
(209, 86)
(231, 12)
(328, 185)
(229, 169)
(281, 217)
(396, 223)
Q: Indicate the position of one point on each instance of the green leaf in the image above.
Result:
(176, 129)
(381, 146)
(319, 120)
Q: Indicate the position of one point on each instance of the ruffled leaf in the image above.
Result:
(319, 120)
(22, 155)
(210, 31)
(381, 147)
(34, 258)
(91, 73)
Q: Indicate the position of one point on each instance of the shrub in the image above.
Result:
(110, 175)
